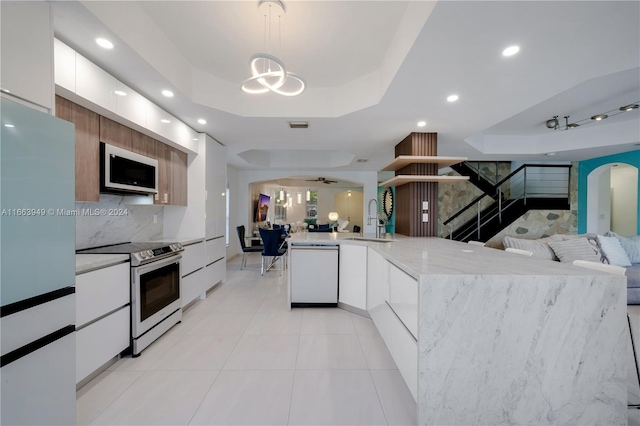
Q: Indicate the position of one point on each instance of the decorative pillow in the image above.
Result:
(540, 248)
(613, 251)
(631, 246)
(576, 249)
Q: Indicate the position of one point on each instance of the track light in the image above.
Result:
(630, 107)
(554, 123)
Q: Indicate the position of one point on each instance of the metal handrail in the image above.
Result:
(513, 197)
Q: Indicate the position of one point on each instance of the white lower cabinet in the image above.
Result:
(193, 286)
(377, 279)
(216, 249)
(388, 286)
(103, 317)
(216, 272)
(193, 258)
(102, 291)
(352, 280)
(99, 342)
(403, 298)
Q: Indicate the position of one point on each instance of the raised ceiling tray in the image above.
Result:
(404, 160)
(402, 179)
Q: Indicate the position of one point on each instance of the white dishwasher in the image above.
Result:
(314, 275)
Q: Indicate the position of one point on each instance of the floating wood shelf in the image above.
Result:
(404, 160)
(402, 179)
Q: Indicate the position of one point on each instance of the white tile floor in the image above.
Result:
(241, 358)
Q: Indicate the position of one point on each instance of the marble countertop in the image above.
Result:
(91, 262)
(185, 241)
(438, 256)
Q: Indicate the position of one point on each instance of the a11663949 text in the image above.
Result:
(63, 212)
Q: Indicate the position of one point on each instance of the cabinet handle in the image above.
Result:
(166, 198)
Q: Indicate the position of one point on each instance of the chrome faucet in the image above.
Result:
(373, 200)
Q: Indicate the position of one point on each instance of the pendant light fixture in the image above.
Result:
(268, 72)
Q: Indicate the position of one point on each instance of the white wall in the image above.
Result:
(624, 200)
(350, 207)
(234, 216)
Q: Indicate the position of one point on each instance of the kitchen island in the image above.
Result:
(482, 336)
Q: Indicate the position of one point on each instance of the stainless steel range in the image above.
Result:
(155, 288)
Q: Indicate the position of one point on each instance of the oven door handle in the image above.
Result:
(147, 267)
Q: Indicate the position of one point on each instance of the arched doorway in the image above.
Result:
(612, 199)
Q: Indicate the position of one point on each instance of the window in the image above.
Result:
(280, 208)
(312, 205)
(227, 217)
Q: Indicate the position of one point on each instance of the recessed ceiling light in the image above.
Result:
(5, 90)
(573, 125)
(103, 42)
(120, 93)
(164, 120)
(511, 50)
(551, 154)
(9, 125)
(362, 160)
(599, 117)
(195, 139)
(202, 121)
(422, 123)
(452, 98)
(629, 107)
(168, 93)
(299, 124)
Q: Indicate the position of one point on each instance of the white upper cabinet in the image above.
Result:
(26, 69)
(82, 77)
(216, 187)
(131, 105)
(64, 65)
(94, 84)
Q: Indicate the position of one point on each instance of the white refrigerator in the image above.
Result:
(37, 268)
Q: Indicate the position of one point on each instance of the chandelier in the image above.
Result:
(268, 73)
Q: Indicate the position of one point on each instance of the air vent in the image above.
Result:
(299, 124)
(362, 160)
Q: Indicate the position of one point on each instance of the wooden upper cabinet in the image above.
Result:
(91, 129)
(172, 176)
(163, 155)
(115, 134)
(87, 137)
(143, 144)
(178, 177)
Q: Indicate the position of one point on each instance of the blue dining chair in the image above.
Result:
(271, 239)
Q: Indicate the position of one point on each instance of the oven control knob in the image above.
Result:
(149, 253)
(143, 254)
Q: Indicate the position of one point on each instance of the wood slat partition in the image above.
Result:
(409, 197)
(418, 144)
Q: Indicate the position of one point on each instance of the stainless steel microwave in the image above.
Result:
(126, 172)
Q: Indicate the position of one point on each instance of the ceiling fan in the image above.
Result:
(323, 180)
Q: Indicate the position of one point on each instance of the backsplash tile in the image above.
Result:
(112, 221)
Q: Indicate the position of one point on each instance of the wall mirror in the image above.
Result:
(387, 202)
